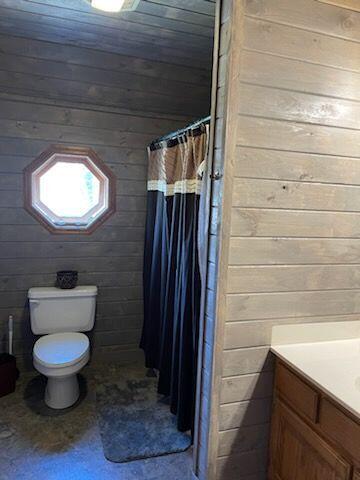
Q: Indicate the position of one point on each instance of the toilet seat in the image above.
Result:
(59, 350)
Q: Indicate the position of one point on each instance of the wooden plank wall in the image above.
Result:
(210, 392)
(203, 452)
(54, 91)
(292, 186)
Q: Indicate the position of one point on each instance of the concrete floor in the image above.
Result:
(39, 443)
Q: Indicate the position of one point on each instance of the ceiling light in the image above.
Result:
(115, 5)
(108, 5)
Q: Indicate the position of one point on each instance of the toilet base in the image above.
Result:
(62, 392)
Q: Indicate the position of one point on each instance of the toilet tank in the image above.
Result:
(53, 310)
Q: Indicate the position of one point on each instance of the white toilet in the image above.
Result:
(62, 351)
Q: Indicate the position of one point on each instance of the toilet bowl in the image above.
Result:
(60, 357)
(62, 351)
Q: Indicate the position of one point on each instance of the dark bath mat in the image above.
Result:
(134, 421)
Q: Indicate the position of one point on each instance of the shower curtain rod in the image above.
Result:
(177, 133)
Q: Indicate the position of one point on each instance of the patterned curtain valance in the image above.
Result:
(176, 165)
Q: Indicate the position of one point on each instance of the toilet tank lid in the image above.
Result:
(37, 293)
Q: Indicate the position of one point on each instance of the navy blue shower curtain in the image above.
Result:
(172, 285)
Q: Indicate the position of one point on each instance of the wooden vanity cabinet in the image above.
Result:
(312, 438)
(298, 449)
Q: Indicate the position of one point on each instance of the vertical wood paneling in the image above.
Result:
(221, 196)
(203, 448)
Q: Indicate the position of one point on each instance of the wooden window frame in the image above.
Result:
(92, 161)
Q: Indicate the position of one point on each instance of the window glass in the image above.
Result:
(69, 189)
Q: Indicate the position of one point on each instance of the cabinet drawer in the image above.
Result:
(299, 394)
(340, 428)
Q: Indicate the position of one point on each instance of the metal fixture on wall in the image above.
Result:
(114, 5)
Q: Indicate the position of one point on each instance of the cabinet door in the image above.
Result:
(298, 453)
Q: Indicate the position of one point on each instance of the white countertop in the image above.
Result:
(332, 365)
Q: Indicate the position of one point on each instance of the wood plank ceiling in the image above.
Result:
(166, 30)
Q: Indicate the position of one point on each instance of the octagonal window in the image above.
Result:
(69, 189)
(82, 189)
